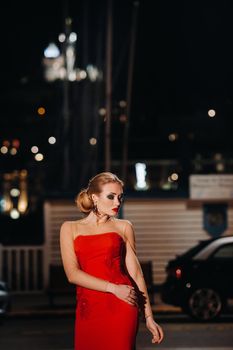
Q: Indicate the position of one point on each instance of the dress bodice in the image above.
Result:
(102, 255)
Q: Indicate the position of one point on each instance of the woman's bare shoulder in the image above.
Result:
(69, 226)
(65, 230)
(127, 231)
(66, 226)
(73, 222)
(123, 222)
(123, 226)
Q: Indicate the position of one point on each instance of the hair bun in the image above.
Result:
(84, 202)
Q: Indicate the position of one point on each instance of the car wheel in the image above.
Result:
(205, 304)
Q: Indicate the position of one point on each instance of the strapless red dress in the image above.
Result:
(103, 321)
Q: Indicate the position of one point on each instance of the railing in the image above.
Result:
(22, 267)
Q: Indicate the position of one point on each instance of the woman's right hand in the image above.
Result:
(123, 292)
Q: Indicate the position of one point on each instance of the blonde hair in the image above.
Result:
(84, 198)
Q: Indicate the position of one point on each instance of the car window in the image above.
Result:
(224, 252)
(194, 250)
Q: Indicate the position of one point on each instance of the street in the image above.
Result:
(56, 333)
(182, 333)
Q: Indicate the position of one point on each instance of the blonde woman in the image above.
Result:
(98, 254)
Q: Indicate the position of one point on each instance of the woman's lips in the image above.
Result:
(116, 210)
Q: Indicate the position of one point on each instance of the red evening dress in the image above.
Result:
(103, 321)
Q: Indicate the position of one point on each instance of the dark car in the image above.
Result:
(4, 299)
(200, 281)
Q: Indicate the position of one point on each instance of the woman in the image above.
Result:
(98, 254)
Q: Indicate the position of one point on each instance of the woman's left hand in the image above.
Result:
(155, 329)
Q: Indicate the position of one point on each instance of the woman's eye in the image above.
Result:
(110, 196)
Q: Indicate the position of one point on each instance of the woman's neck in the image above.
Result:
(98, 219)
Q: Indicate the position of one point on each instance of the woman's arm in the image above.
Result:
(76, 276)
(135, 271)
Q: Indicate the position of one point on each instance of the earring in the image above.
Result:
(95, 210)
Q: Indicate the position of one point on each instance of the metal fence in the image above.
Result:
(22, 267)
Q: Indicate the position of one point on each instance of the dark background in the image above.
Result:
(182, 67)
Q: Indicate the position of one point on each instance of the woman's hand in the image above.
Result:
(155, 329)
(123, 292)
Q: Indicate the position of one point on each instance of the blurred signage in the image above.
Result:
(211, 186)
(215, 219)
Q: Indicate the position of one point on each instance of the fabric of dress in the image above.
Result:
(103, 321)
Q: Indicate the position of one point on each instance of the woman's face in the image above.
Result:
(109, 200)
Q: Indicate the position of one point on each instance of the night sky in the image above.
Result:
(183, 65)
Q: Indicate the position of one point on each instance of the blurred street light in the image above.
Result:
(60, 64)
(15, 201)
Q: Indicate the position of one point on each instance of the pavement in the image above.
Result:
(33, 304)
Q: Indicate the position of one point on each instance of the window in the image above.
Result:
(224, 252)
